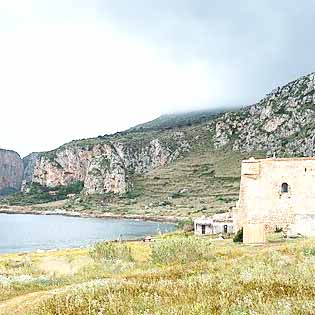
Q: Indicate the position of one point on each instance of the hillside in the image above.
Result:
(281, 123)
(177, 164)
(201, 182)
(179, 120)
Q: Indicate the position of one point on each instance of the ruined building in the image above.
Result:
(277, 192)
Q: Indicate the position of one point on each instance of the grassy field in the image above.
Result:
(176, 274)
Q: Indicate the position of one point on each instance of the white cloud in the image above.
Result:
(66, 81)
(81, 68)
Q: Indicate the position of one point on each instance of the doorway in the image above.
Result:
(225, 228)
(203, 229)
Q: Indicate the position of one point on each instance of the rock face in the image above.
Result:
(28, 168)
(105, 166)
(11, 171)
(282, 123)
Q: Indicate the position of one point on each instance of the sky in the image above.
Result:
(72, 69)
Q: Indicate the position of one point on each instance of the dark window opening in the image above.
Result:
(225, 228)
(284, 188)
(203, 229)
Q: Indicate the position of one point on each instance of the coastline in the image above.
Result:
(89, 214)
(83, 214)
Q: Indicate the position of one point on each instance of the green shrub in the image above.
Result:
(73, 188)
(180, 250)
(132, 194)
(309, 251)
(238, 238)
(37, 194)
(278, 229)
(111, 251)
(186, 225)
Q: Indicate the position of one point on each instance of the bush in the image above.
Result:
(111, 251)
(37, 194)
(278, 229)
(72, 188)
(238, 238)
(309, 251)
(186, 225)
(132, 194)
(180, 250)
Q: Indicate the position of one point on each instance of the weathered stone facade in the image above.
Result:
(276, 192)
(218, 223)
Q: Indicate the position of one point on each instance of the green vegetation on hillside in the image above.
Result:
(38, 194)
(179, 120)
(7, 191)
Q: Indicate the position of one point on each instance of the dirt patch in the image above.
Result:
(60, 266)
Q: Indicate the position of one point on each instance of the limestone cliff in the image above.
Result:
(282, 123)
(11, 172)
(28, 168)
(107, 164)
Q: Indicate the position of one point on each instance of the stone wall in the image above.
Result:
(212, 228)
(303, 224)
(261, 198)
(198, 229)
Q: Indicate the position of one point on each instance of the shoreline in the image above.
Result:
(90, 214)
(68, 249)
(81, 214)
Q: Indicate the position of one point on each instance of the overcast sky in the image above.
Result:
(72, 69)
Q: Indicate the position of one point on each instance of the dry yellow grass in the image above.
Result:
(219, 277)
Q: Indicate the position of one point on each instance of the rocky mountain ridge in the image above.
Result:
(107, 165)
(283, 123)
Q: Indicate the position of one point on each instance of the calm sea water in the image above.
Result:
(24, 232)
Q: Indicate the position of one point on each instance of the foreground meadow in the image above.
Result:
(176, 274)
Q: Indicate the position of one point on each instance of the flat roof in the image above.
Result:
(203, 221)
(209, 221)
(311, 158)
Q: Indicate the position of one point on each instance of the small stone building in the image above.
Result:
(277, 192)
(214, 225)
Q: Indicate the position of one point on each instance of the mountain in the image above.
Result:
(178, 120)
(281, 123)
(11, 172)
(184, 161)
(107, 164)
